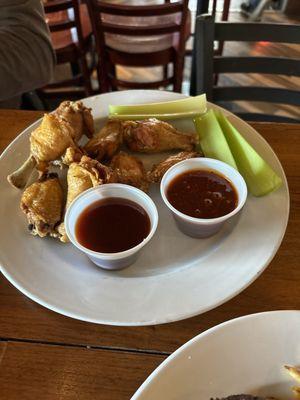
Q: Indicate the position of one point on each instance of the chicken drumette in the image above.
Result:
(78, 116)
(48, 142)
(152, 136)
(42, 202)
(107, 142)
(158, 170)
(130, 170)
(81, 176)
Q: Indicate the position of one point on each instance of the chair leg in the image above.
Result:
(178, 74)
(86, 76)
(165, 72)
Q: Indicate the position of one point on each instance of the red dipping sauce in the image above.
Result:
(202, 194)
(112, 225)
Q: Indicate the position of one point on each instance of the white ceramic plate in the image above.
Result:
(242, 356)
(176, 277)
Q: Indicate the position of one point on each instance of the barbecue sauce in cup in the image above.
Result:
(112, 225)
(202, 194)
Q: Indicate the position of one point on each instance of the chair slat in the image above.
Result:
(138, 11)
(141, 85)
(256, 93)
(57, 5)
(61, 25)
(255, 32)
(140, 30)
(263, 65)
(139, 60)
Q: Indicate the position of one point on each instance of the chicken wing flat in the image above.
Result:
(107, 142)
(81, 176)
(49, 141)
(78, 116)
(152, 136)
(86, 174)
(130, 170)
(42, 202)
(158, 170)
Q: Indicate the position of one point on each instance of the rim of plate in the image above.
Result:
(174, 316)
(154, 374)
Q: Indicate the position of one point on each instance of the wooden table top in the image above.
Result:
(44, 355)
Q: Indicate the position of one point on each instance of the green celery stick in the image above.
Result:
(188, 107)
(212, 139)
(259, 176)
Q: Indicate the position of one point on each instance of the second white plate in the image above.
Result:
(176, 277)
(242, 356)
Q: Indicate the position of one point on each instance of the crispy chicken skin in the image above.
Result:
(81, 176)
(158, 170)
(78, 116)
(153, 136)
(42, 202)
(130, 170)
(106, 142)
(86, 174)
(49, 141)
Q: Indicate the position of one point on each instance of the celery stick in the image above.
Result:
(162, 117)
(189, 106)
(259, 176)
(212, 140)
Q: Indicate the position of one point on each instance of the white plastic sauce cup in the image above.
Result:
(112, 261)
(202, 227)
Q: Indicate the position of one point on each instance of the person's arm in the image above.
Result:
(26, 55)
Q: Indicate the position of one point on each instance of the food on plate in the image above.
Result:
(188, 107)
(78, 116)
(201, 193)
(107, 142)
(42, 202)
(49, 141)
(55, 142)
(72, 154)
(98, 226)
(259, 176)
(295, 373)
(130, 170)
(219, 139)
(212, 140)
(81, 176)
(152, 136)
(158, 170)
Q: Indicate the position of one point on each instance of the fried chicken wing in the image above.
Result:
(42, 202)
(49, 141)
(107, 142)
(78, 116)
(130, 170)
(158, 170)
(81, 176)
(152, 136)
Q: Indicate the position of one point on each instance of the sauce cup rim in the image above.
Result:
(121, 187)
(200, 163)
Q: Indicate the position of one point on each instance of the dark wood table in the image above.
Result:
(44, 355)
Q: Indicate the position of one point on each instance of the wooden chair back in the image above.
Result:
(205, 64)
(63, 18)
(109, 57)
